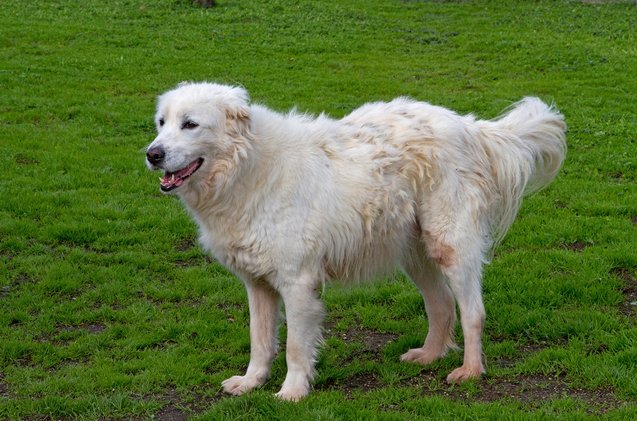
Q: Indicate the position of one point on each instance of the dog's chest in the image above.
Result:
(236, 249)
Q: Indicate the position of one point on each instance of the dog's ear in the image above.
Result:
(238, 113)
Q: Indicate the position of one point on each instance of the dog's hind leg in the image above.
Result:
(459, 257)
(304, 314)
(264, 314)
(454, 232)
(441, 311)
(465, 281)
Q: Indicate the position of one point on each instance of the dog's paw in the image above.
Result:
(422, 356)
(292, 394)
(465, 373)
(238, 385)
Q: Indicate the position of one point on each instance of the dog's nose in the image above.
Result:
(155, 155)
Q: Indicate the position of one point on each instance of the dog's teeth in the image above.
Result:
(172, 178)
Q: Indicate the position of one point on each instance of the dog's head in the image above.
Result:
(203, 130)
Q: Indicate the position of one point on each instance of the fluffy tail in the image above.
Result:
(527, 147)
(542, 129)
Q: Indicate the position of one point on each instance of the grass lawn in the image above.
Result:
(108, 308)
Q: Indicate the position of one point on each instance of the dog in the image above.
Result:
(290, 201)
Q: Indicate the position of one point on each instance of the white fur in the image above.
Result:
(289, 201)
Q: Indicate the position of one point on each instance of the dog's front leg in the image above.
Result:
(304, 314)
(264, 314)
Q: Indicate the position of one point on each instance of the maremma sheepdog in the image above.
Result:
(289, 201)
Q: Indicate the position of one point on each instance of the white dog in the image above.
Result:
(288, 201)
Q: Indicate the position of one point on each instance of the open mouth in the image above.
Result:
(172, 180)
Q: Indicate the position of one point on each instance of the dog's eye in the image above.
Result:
(161, 122)
(189, 125)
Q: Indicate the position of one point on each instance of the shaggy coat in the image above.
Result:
(289, 201)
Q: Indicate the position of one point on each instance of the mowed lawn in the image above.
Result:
(109, 309)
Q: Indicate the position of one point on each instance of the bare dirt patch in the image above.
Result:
(173, 410)
(231, 309)
(178, 409)
(4, 387)
(20, 279)
(206, 3)
(576, 246)
(373, 341)
(533, 390)
(193, 261)
(182, 263)
(54, 338)
(523, 349)
(185, 244)
(188, 244)
(629, 290)
(530, 390)
(364, 382)
(23, 159)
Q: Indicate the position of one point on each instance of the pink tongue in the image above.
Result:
(176, 178)
(185, 172)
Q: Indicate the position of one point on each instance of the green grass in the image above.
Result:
(109, 310)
